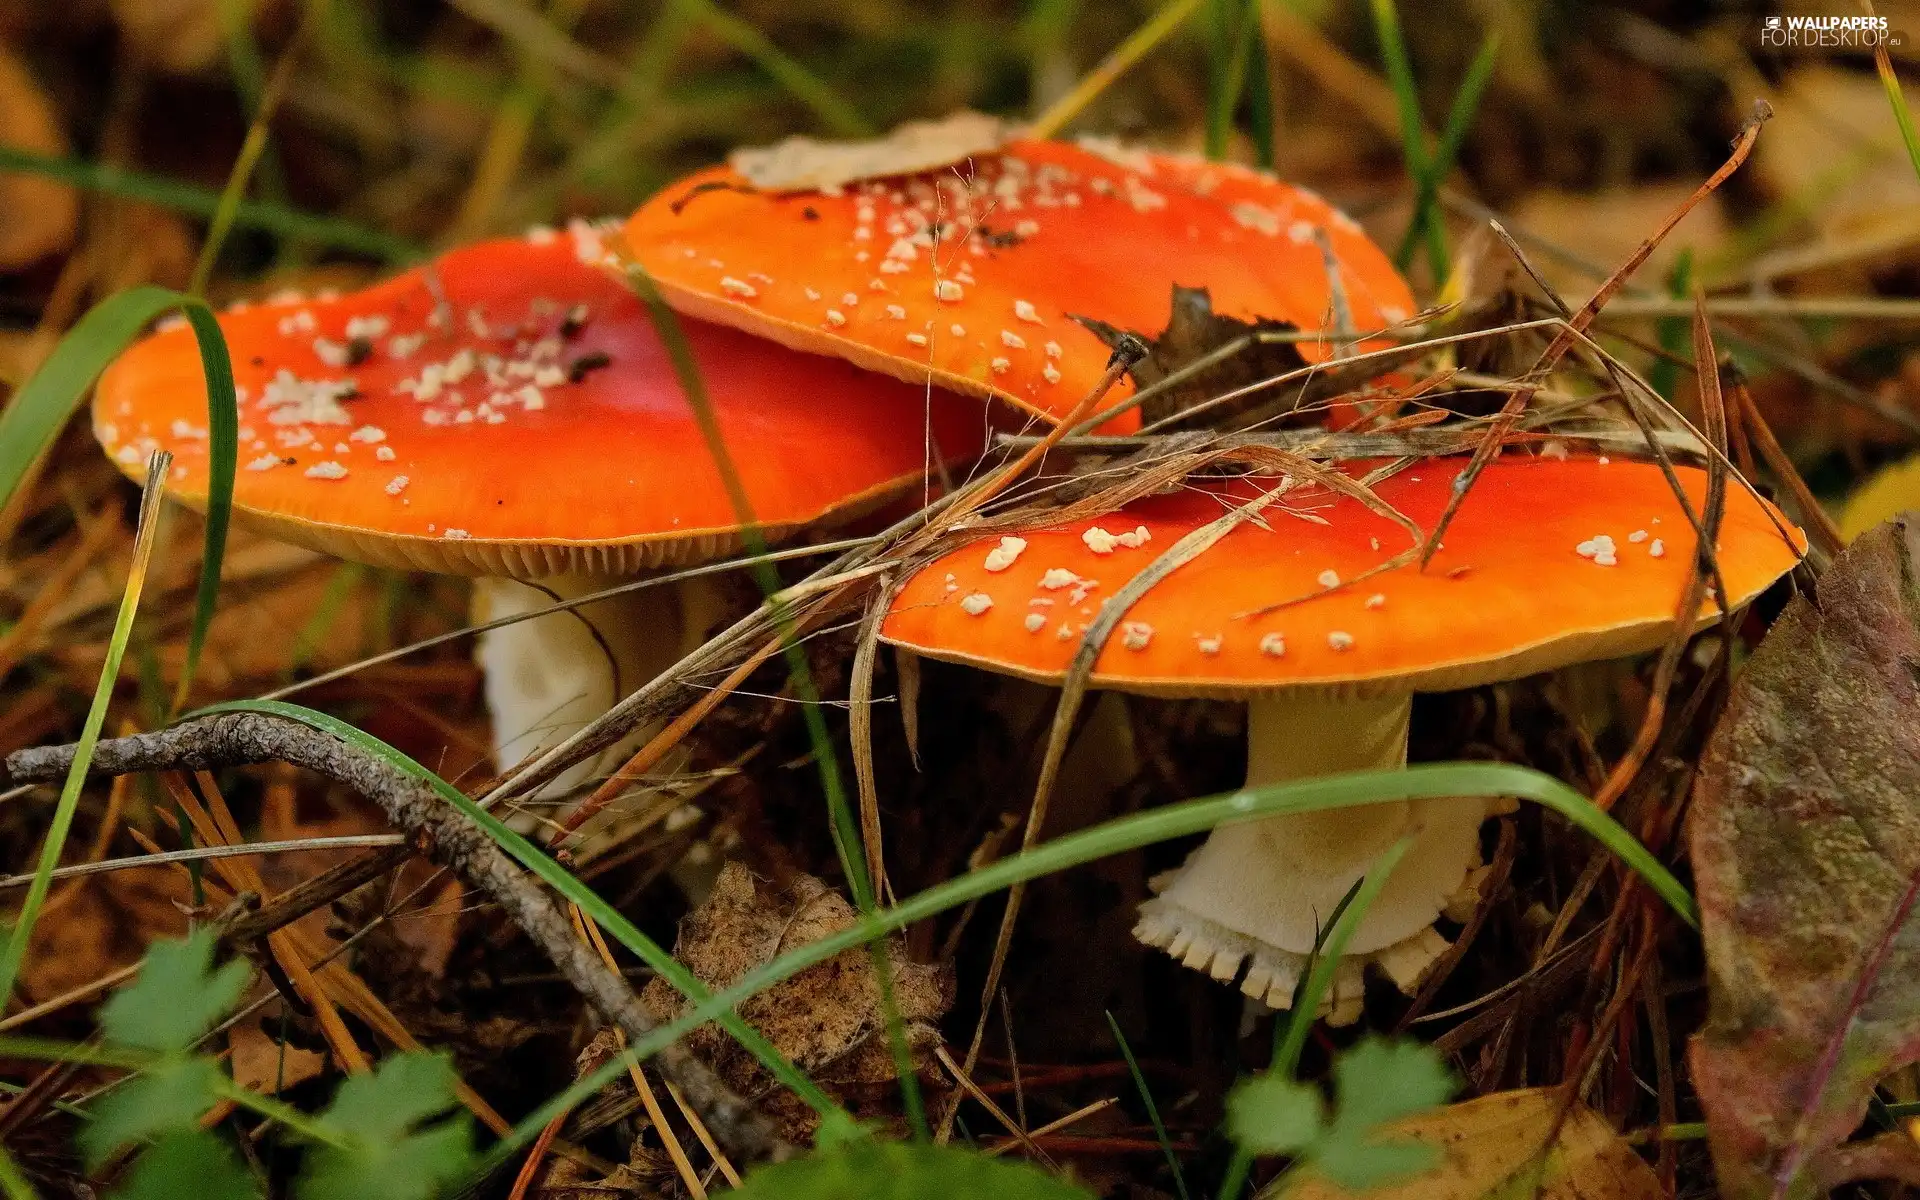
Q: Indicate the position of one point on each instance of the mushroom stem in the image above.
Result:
(1260, 890)
(547, 677)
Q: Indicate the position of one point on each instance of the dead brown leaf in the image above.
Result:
(801, 164)
(1607, 226)
(108, 924)
(827, 1019)
(1806, 850)
(1491, 1147)
(1193, 331)
(41, 216)
(262, 1064)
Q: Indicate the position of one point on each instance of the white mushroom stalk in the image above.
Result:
(1256, 893)
(548, 677)
(1549, 562)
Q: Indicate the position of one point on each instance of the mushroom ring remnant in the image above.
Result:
(510, 412)
(1547, 563)
(972, 276)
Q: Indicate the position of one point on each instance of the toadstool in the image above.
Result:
(511, 413)
(972, 276)
(1547, 563)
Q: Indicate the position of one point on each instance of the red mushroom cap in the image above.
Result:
(531, 424)
(1547, 563)
(1041, 232)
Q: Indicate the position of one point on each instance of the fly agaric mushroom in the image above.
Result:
(1547, 563)
(511, 413)
(971, 276)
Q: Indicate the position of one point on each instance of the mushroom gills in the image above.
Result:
(548, 677)
(1256, 892)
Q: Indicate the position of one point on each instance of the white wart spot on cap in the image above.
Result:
(1340, 640)
(976, 603)
(1006, 553)
(1274, 645)
(1600, 549)
(1135, 635)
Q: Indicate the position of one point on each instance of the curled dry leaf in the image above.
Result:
(1193, 331)
(827, 1019)
(40, 216)
(1492, 1147)
(800, 164)
(1806, 848)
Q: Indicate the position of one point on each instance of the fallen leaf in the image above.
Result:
(1491, 1146)
(1193, 331)
(827, 1019)
(1608, 226)
(1831, 151)
(41, 216)
(801, 164)
(106, 925)
(1805, 843)
(1886, 493)
(262, 1064)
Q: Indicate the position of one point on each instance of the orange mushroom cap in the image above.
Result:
(530, 424)
(1547, 563)
(1043, 231)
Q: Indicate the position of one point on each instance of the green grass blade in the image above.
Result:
(1220, 104)
(1153, 1110)
(842, 823)
(840, 116)
(15, 953)
(223, 452)
(45, 402)
(1426, 207)
(251, 148)
(1326, 957)
(560, 880)
(1260, 112)
(125, 1058)
(1162, 24)
(1393, 51)
(1235, 43)
(1675, 333)
(1897, 100)
(1427, 781)
(13, 1181)
(1329, 943)
(196, 201)
(48, 400)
